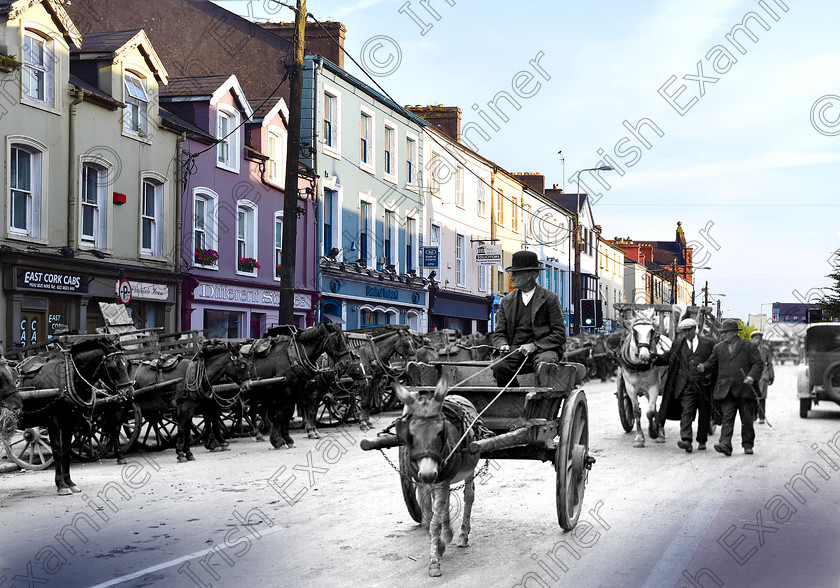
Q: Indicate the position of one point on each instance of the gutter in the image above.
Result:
(178, 246)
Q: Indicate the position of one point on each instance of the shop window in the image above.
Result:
(223, 324)
(31, 328)
(135, 117)
(25, 191)
(94, 210)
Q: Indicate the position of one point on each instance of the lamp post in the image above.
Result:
(694, 269)
(576, 281)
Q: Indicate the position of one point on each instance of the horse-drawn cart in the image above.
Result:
(546, 420)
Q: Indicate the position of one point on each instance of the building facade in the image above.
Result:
(610, 282)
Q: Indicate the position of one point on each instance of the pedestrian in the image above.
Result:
(737, 365)
(687, 392)
(529, 320)
(767, 374)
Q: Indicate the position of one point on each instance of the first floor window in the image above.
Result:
(151, 229)
(246, 239)
(25, 197)
(277, 155)
(364, 231)
(278, 242)
(204, 229)
(93, 213)
(482, 278)
(460, 250)
(390, 237)
(410, 163)
(409, 241)
(482, 203)
(435, 236)
(38, 70)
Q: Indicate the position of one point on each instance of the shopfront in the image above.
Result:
(358, 304)
(39, 300)
(465, 312)
(232, 311)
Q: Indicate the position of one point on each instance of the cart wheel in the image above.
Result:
(157, 432)
(91, 443)
(625, 407)
(85, 444)
(29, 448)
(409, 488)
(334, 408)
(572, 461)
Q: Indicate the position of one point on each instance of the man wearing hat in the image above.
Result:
(529, 320)
(737, 364)
(687, 391)
(767, 374)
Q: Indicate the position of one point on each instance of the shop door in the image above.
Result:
(257, 321)
(31, 327)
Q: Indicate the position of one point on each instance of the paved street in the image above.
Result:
(328, 514)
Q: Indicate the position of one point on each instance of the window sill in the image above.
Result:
(276, 184)
(152, 257)
(146, 139)
(26, 238)
(226, 167)
(90, 247)
(334, 153)
(412, 188)
(213, 268)
(391, 179)
(246, 274)
(41, 106)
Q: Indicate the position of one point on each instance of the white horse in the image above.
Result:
(641, 376)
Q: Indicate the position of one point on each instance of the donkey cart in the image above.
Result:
(547, 419)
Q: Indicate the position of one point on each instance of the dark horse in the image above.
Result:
(293, 356)
(74, 370)
(192, 388)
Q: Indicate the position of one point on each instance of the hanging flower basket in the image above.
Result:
(247, 264)
(206, 256)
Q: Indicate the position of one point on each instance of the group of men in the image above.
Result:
(732, 375)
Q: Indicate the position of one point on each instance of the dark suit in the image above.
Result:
(540, 322)
(735, 397)
(767, 377)
(686, 388)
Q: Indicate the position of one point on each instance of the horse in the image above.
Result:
(473, 347)
(73, 370)
(430, 427)
(640, 374)
(292, 356)
(214, 363)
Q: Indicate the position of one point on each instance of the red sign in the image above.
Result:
(124, 292)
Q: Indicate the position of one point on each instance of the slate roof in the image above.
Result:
(106, 41)
(200, 86)
(104, 97)
(571, 202)
(173, 121)
(261, 111)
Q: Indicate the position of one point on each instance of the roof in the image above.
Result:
(119, 44)
(268, 108)
(174, 122)
(98, 95)
(13, 10)
(571, 202)
(367, 89)
(198, 87)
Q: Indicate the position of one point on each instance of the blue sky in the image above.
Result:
(754, 159)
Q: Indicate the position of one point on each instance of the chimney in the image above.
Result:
(317, 40)
(446, 119)
(534, 180)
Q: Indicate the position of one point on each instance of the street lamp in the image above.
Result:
(694, 269)
(576, 282)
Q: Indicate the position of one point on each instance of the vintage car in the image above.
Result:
(819, 377)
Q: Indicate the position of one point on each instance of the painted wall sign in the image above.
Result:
(147, 291)
(382, 292)
(209, 292)
(49, 280)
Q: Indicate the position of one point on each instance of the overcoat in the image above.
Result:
(680, 363)
(546, 319)
(732, 369)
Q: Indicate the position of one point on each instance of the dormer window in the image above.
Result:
(227, 148)
(38, 69)
(137, 105)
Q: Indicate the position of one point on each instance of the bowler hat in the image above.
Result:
(523, 261)
(729, 325)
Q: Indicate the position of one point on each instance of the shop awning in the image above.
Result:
(333, 319)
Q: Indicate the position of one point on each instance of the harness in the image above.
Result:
(630, 363)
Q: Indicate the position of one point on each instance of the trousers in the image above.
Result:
(695, 402)
(504, 370)
(745, 408)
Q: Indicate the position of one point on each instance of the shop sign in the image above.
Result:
(56, 281)
(382, 292)
(488, 255)
(431, 257)
(147, 291)
(226, 293)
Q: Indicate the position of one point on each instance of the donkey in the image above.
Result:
(641, 375)
(430, 427)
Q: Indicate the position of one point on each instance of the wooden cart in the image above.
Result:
(546, 419)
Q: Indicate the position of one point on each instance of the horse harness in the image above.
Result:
(628, 363)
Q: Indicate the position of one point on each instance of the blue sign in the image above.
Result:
(431, 257)
(382, 292)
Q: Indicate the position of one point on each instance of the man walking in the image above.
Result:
(767, 373)
(737, 364)
(529, 320)
(687, 391)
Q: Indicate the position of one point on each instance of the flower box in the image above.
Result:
(248, 264)
(206, 256)
(277, 270)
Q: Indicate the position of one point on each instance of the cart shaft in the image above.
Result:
(381, 442)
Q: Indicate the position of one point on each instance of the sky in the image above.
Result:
(739, 138)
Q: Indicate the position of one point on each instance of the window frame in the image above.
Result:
(481, 199)
(367, 227)
(368, 141)
(333, 149)
(37, 231)
(460, 259)
(432, 241)
(390, 152)
(232, 141)
(391, 240)
(102, 240)
(410, 244)
(50, 66)
(278, 251)
(459, 186)
(158, 236)
(252, 210)
(142, 114)
(411, 166)
(435, 163)
(280, 136)
(499, 198)
(482, 278)
(207, 195)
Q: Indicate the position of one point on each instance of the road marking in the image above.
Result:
(173, 562)
(668, 569)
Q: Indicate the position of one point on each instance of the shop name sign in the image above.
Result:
(241, 295)
(147, 291)
(56, 281)
(382, 292)
(488, 255)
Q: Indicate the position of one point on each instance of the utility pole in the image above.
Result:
(674, 283)
(290, 194)
(706, 294)
(576, 278)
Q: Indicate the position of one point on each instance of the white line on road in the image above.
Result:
(668, 569)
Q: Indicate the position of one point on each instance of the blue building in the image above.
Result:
(367, 152)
